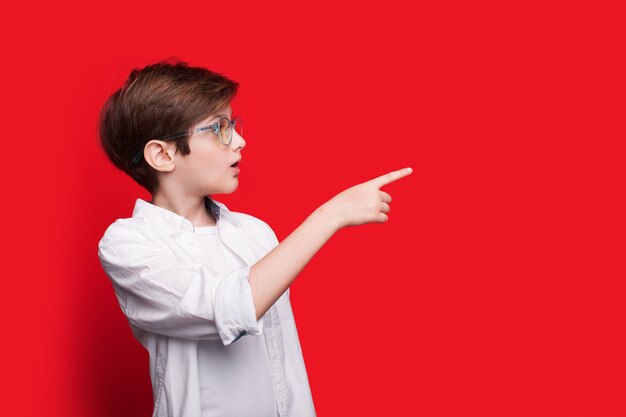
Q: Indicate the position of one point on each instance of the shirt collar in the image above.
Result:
(173, 222)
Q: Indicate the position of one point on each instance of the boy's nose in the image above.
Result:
(238, 140)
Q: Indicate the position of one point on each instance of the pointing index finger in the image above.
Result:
(391, 177)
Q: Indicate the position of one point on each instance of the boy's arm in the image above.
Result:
(159, 293)
(359, 204)
(271, 276)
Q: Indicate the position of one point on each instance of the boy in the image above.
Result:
(193, 277)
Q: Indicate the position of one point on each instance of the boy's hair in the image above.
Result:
(159, 100)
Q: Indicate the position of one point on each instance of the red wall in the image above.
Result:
(495, 289)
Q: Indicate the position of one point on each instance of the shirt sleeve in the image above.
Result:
(161, 294)
(272, 235)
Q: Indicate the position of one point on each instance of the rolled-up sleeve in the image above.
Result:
(161, 294)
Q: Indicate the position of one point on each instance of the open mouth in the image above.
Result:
(236, 164)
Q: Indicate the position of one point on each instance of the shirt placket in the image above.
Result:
(275, 348)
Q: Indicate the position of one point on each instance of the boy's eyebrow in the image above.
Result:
(219, 115)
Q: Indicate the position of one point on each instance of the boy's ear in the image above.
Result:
(160, 155)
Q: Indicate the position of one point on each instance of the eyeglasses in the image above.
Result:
(222, 128)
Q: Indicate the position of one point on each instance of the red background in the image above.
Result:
(496, 288)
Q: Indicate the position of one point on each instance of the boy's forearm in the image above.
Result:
(271, 276)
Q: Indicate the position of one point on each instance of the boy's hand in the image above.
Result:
(363, 203)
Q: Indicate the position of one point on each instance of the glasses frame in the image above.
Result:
(213, 128)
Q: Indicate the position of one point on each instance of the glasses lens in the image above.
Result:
(225, 133)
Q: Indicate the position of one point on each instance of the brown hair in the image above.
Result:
(159, 100)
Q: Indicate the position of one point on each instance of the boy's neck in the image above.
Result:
(196, 213)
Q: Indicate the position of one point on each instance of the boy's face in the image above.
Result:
(207, 169)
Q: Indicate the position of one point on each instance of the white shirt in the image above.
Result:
(186, 295)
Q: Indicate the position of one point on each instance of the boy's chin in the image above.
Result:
(232, 188)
